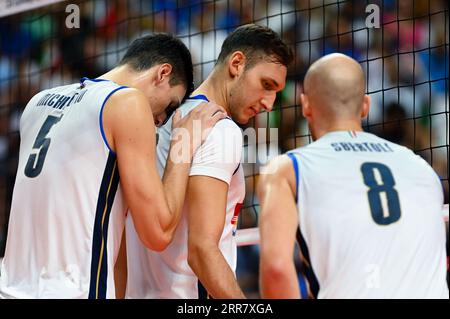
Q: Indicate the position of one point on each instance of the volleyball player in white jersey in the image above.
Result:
(366, 212)
(68, 207)
(201, 260)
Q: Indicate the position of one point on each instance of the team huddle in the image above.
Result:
(103, 208)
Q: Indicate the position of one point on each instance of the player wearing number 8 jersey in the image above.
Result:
(365, 212)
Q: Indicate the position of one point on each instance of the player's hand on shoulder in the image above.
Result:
(202, 118)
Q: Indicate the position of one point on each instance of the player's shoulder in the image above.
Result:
(225, 135)
(301, 151)
(226, 125)
(401, 150)
(127, 106)
(226, 132)
(128, 97)
(281, 165)
(278, 170)
(42, 95)
(191, 104)
(406, 156)
(56, 89)
(128, 93)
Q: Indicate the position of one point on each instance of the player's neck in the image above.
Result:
(120, 75)
(335, 127)
(215, 90)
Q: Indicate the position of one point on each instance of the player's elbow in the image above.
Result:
(278, 278)
(157, 245)
(274, 270)
(151, 233)
(157, 241)
(194, 253)
(197, 253)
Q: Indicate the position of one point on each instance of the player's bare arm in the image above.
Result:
(278, 225)
(120, 269)
(207, 199)
(155, 206)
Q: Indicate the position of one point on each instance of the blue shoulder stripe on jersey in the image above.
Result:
(297, 173)
(199, 97)
(101, 116)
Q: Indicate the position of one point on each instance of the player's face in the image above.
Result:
(255, 90)
(165, 100)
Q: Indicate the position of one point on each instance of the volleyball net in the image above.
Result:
(402, 46)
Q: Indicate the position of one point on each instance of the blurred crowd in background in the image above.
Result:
(406, 64)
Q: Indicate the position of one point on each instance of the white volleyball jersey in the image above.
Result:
(167, 274)
(370, 219)
(67, 213)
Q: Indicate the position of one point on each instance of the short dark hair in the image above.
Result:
(151, 50)
(252, 40)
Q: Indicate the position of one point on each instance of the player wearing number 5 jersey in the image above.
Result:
(87, 153)
(366, 212)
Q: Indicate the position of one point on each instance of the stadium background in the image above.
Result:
(406, 64)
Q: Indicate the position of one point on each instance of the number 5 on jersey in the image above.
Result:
(40, 148)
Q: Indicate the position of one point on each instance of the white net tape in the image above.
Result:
(250, 236)
(10, 7)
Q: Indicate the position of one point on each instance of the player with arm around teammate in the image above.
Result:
(87, 153)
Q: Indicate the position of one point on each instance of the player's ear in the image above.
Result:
(164, 72)
(236, 63)
(306, 108)
(366, 106)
